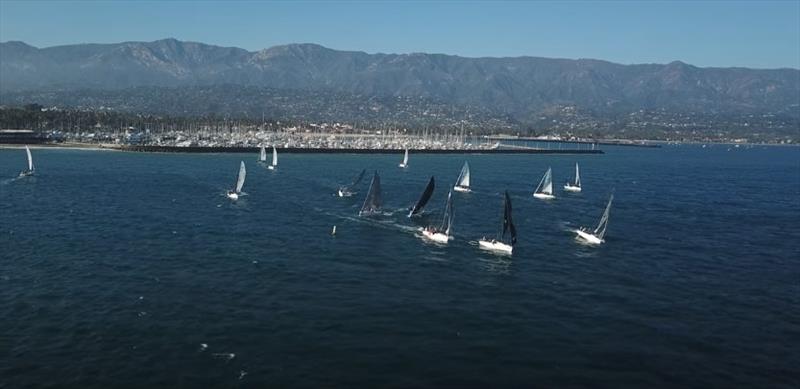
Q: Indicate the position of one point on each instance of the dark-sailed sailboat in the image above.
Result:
(372, 204)
(501, 243)
(347, 190)
(423, 199)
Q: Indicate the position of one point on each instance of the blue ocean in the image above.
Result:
(126, 269)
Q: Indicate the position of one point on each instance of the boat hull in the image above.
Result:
(344, 193)
(272, 167)
(402, 165)
(588, 238)
(233, 196)
(25, 173)
(544, 196)
(463, 189)
(495, 246)
(570, 188)
(437, 237)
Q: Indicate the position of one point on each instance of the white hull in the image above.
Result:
(544, 196)
(402, 165)
(25, 173)
(463, 189)
(345, 193)
(589, 238)
(436, 236)
(495, 246)
(271, 167)
(233, 196)
(570, 188)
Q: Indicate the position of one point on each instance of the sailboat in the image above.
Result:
(262, 157)
(347, 190)
(596, 236)
(30, 170)
(372, 204)
(576, 187)
(545, 188)
(274, 159)
(442, 234)
(404, 164)
(234, 193)
(500, 243)
(423, 199)
(462, 184)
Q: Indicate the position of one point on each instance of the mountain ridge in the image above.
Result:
(520, 86)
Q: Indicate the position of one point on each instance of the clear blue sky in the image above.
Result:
(759, 34)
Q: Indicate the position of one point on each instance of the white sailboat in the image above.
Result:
(373, 201)
(597, 235)
(234, 193)
(574, 187)
(30, 170)
(462, 184)
(262, 157)
(404, 164)
(545, 188)
(274, 159)
(442, 234)
(500, 244)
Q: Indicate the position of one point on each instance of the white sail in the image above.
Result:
(240, 179)
(405, 158)
(274, 156)
(447, 221)
(30, 158)
(577, 175)
(463, 178)
(546, 184)
(263, 156)
(600, 231)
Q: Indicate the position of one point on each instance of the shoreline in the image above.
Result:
(286, 150)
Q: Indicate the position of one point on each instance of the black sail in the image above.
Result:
(358, 179)
(374, 199)
(426, 195)
(508, 222)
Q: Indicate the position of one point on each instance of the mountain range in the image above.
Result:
(518, 87)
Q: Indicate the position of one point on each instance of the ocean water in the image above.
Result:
(133, 270)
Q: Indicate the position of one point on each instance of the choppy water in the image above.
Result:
(115, 269)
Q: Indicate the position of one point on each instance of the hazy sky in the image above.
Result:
(759, 34)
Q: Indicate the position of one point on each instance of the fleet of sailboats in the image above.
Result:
(462, 183)
(545, 188)
(501, 243)
(423, 199)
(597, 235)
(576, 186)
(404, 164)
(504, 241)
(373, 201)
(30, 170)
(234, 193)
(442, 233)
